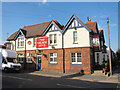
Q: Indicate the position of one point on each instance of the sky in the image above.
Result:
(16, 15)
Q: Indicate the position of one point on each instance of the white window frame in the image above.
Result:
(35, 39)
(75, 38)
(52, 38)
(19, 42)
(9, 46)
(95, 41)
(19, 57)
(29, 57)
(53, 57)
(76, 61)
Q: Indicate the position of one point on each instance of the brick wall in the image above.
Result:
(28, 66)
(86, 60)
(52, 67)
(85, 66)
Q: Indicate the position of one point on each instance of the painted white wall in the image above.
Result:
(58, 45)
(13, 45)
(82, 36)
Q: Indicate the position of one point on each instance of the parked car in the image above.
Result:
(8, 60)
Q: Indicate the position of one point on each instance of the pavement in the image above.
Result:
(96, 77)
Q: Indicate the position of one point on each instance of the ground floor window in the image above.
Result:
(20, 58)
(76, 58)
(29, 59)
(53, 58)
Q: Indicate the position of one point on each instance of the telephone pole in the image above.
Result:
(109, 47)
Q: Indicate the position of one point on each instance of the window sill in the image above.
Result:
(29, 62)
(76, 63)
(54, 63)
(75, 42)
(20, 47)
(53, 44)
(20, 62)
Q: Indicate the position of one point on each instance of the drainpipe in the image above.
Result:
(15, 45)
(25, 55)
(63, 54)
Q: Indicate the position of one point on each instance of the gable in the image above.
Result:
(70, 21)
(74, 24)
(53, 28)
(19, 34)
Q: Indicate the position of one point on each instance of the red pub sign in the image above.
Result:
(42, 42)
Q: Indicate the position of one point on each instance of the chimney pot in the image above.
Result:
(87, 19)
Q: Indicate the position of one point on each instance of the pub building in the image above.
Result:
(75, 47)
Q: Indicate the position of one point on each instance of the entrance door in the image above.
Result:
(39, 62)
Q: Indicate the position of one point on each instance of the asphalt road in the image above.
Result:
(24, 80)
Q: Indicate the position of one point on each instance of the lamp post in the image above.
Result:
(109, 47)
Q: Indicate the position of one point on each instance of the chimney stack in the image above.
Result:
(88, 20)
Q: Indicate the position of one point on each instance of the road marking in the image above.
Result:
(69, 86)
(16, 78)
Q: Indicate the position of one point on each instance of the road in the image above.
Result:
(24, 80)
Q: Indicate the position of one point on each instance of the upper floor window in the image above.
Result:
(75, 37)
(95, 41)
(53, 39)
(20, 42)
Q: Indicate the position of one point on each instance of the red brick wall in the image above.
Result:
(86, 62)
(52, 67)
(28, 66)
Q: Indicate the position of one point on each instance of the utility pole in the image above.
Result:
(109, 47)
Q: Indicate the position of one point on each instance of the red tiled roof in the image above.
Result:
(100, 30)
(35, 30)
(12, 36)
(91, 25)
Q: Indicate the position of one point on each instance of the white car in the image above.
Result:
(8, 60)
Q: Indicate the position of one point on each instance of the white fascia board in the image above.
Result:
(78, 21)
(18, 34)
(50, 26)
(57, 27)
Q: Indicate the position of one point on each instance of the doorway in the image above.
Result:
(39, 62)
